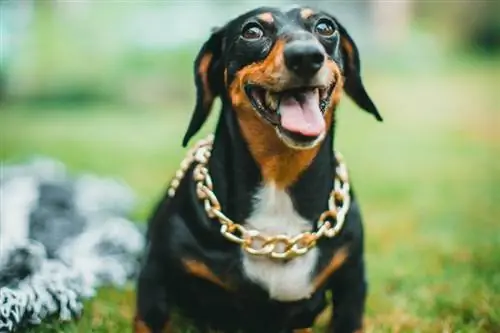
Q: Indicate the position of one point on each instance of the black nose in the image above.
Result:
(304, 58)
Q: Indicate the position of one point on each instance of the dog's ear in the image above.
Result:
(208, 77)
(353, 84)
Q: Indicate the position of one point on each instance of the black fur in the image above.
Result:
(353, 85)
(180, 229)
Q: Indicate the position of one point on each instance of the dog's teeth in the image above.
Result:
(271, 101)
(316, 92)
(324, 93)
(275, 103)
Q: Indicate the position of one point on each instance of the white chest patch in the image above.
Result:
(274, 214)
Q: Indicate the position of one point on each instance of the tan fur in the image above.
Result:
(306, 13)
(279, 163)
(201, 270)
(337, 261)
(203, 72)
(270, 73)
(348, 50)
(266, 17)
(140, 327)
(168, 328)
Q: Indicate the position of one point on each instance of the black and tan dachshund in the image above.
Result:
(251, 236)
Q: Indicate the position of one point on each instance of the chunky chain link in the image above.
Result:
(253, 241)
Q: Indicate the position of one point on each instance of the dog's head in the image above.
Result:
(283, 73)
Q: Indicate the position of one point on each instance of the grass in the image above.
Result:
(428, 179)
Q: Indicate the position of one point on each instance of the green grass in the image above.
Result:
(428, 179)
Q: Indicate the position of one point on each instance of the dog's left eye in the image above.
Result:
(252, 32)
(325, 28)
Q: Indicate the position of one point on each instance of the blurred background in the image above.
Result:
(107, 87)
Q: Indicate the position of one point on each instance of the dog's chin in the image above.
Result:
(266, 104)
(298, 141)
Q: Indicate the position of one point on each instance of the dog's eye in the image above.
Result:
(252, 32)
(325, 28)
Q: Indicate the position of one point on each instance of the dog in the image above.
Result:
(260, 229)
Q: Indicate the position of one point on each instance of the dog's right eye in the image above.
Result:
(325, 28)
(252, 32)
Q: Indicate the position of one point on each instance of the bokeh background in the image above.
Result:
(107, 87)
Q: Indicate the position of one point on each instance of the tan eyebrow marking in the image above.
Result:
(306, 13)
(266, 17)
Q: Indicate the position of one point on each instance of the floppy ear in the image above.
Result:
(353, 85)
(208, 75)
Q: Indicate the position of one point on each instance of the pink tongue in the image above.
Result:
(303, 116)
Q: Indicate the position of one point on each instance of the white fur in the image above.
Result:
(274, 214)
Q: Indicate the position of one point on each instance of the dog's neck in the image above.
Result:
(237, 174)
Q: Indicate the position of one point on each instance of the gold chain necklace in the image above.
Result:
(253, 241)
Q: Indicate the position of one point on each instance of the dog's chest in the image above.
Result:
(274, 214)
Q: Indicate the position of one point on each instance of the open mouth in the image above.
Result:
(296, 114)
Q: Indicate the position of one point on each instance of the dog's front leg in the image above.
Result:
(152, 313)
(349, 289)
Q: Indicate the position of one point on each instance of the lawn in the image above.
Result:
(428, 179)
